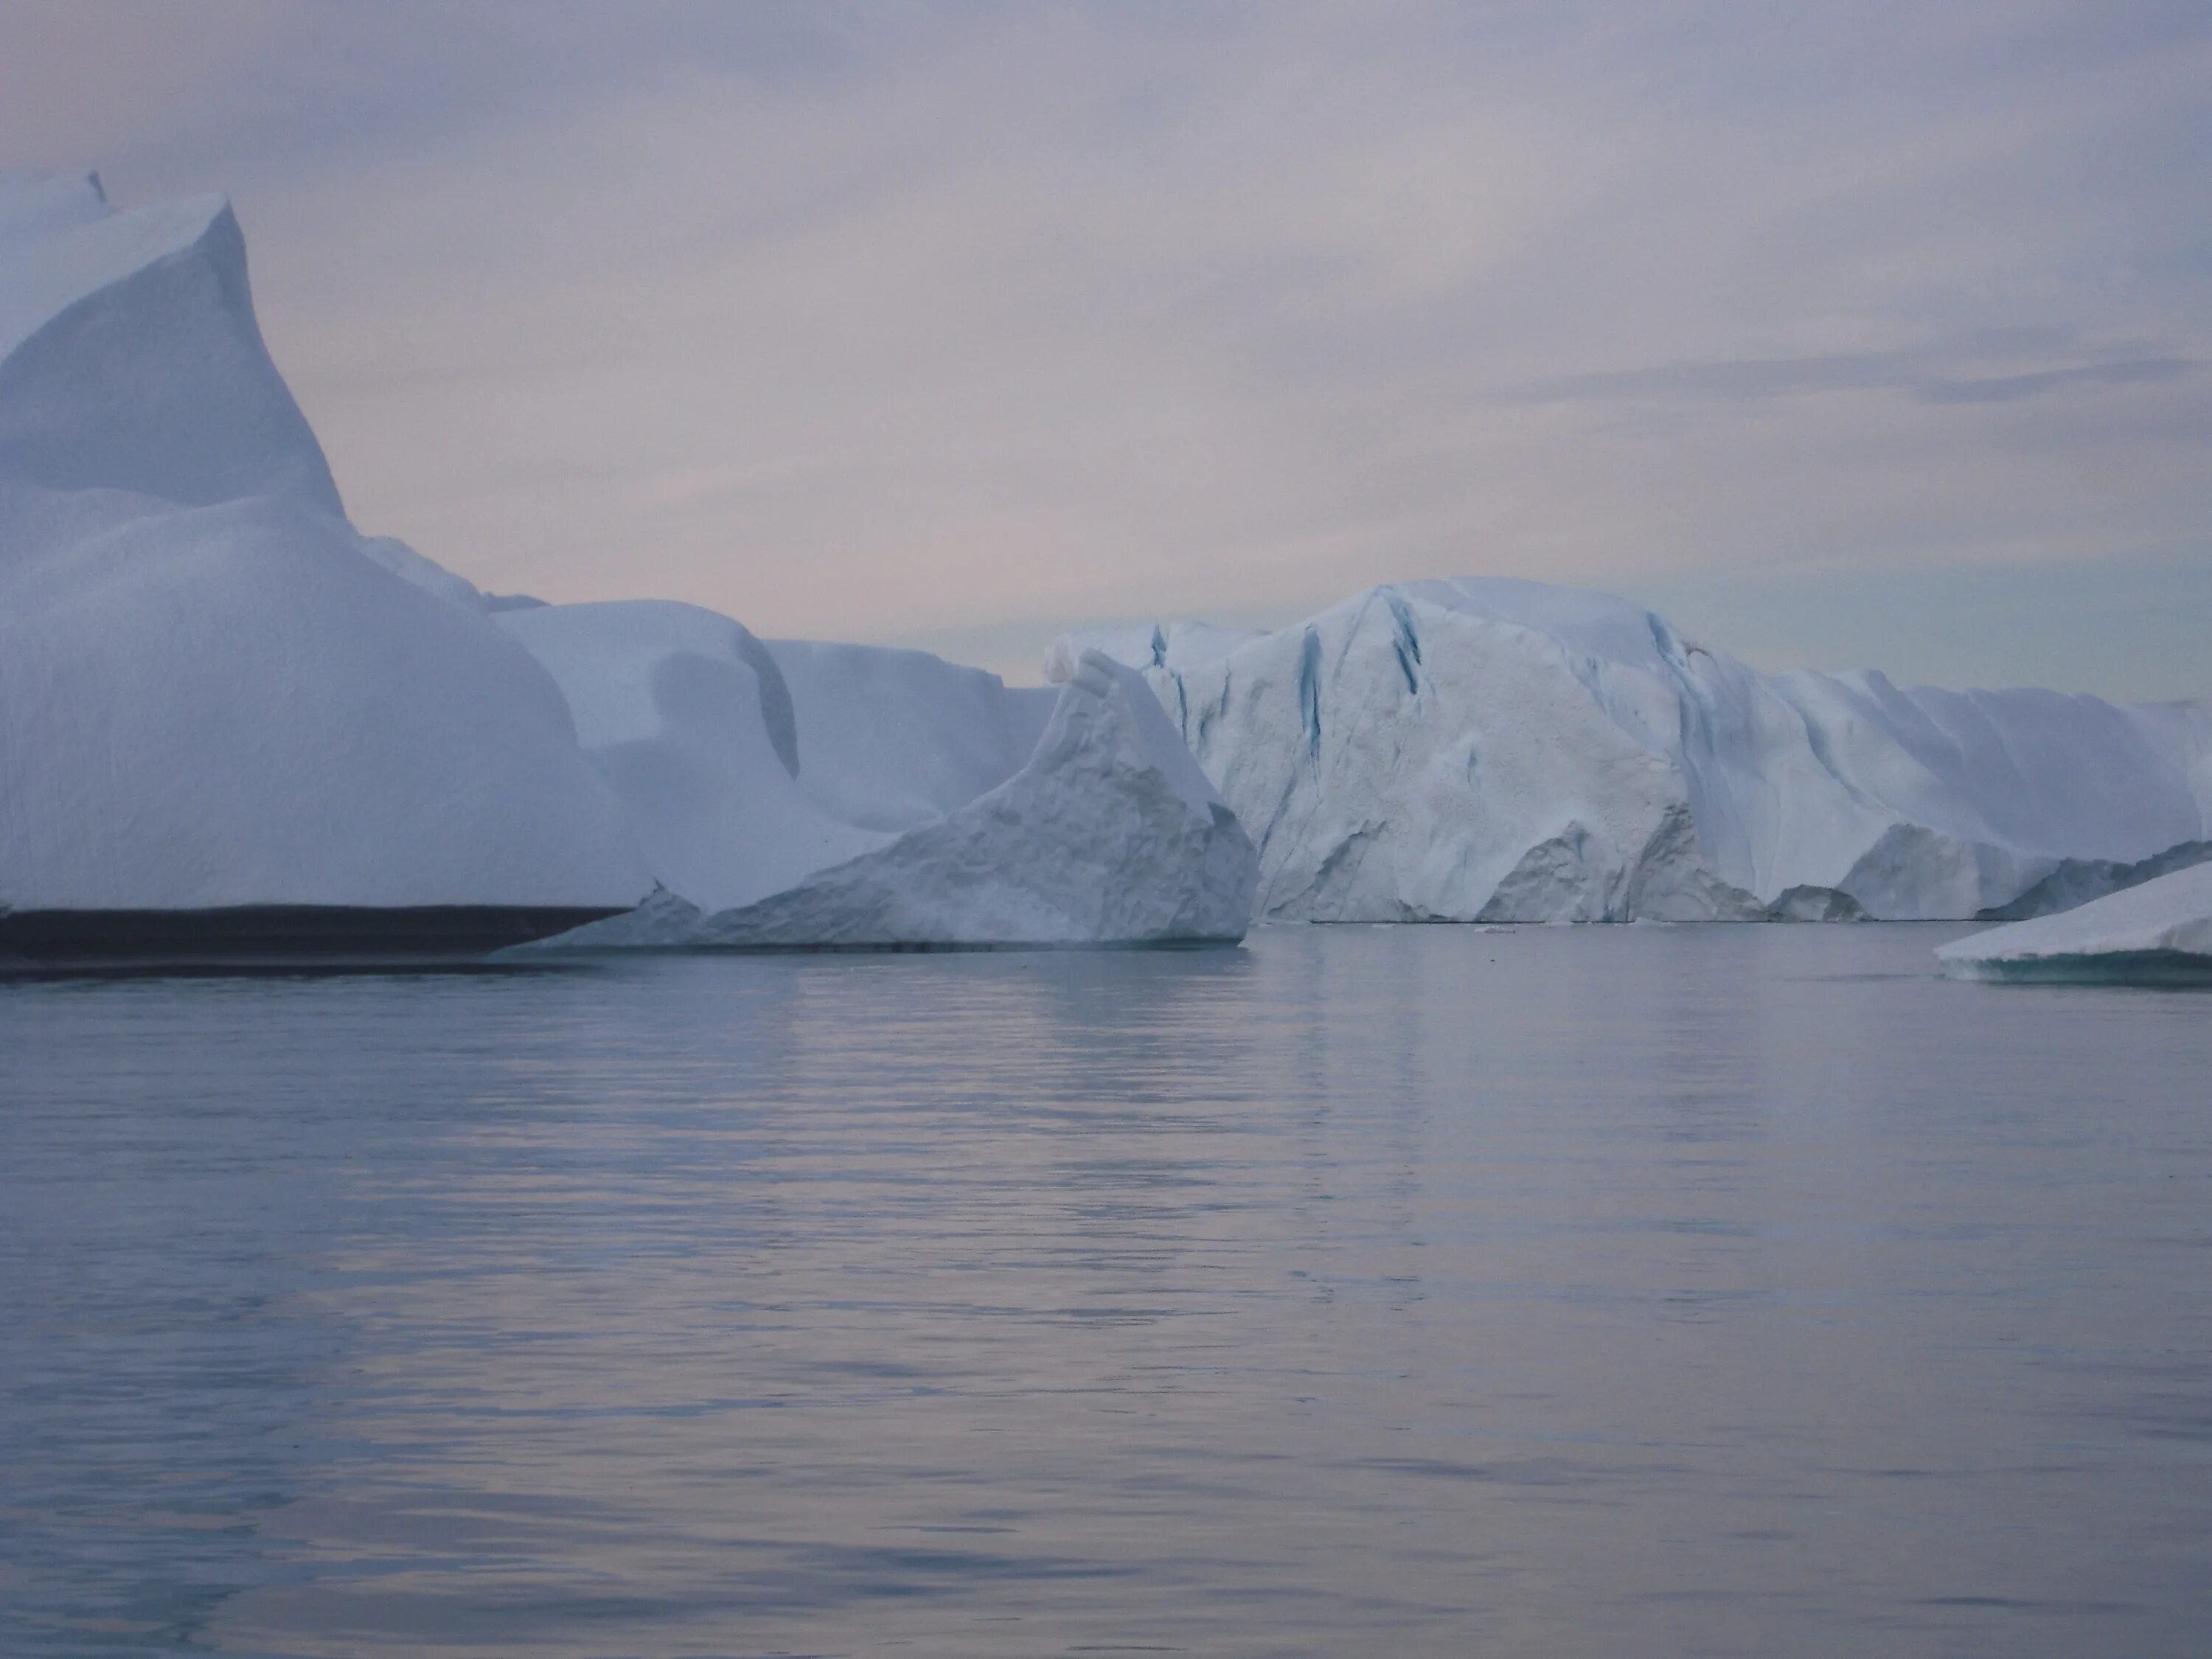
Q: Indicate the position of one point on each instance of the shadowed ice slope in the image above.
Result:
(130, 357)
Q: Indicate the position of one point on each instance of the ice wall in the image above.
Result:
(1505, 750)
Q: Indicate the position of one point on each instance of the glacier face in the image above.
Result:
(1492, 749)
(2159, 932)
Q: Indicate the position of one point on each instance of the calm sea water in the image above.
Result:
(1412, 1290)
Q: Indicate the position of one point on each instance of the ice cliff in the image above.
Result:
(1505, 750)
(2159, 932)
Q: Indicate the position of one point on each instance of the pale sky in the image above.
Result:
(1847, 334)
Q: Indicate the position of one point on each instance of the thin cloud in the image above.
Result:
(2011, 388)
(1907, 372)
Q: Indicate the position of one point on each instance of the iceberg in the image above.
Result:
(225, 723)
(2157, 933)
(1503, 750)
(232, 723)
(802, 795)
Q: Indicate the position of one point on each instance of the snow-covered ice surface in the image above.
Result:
(214, 693)
(228, 705)
(2159, 932)
(1106, 832)
(1492, 749)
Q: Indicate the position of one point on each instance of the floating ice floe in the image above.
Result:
(1509, 751)
(2159, 932)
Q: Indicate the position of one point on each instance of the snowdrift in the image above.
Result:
(216, 699)
(2157, 933)
(1502, 750)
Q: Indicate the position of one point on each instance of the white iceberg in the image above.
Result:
(802, 795)
(1500, 750)
(218, 701)
(215, 697)
(2159, 932)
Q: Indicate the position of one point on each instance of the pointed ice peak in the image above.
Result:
(60, 242)
(130, 357)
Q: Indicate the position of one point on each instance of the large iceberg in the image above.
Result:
(229, 722)
(809, 795)
(2159, 932)
(1492, 749)
(223, 716)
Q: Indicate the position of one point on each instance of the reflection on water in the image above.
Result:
(1549, 1291)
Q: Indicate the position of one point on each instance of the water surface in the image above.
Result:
(1545, 1291)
